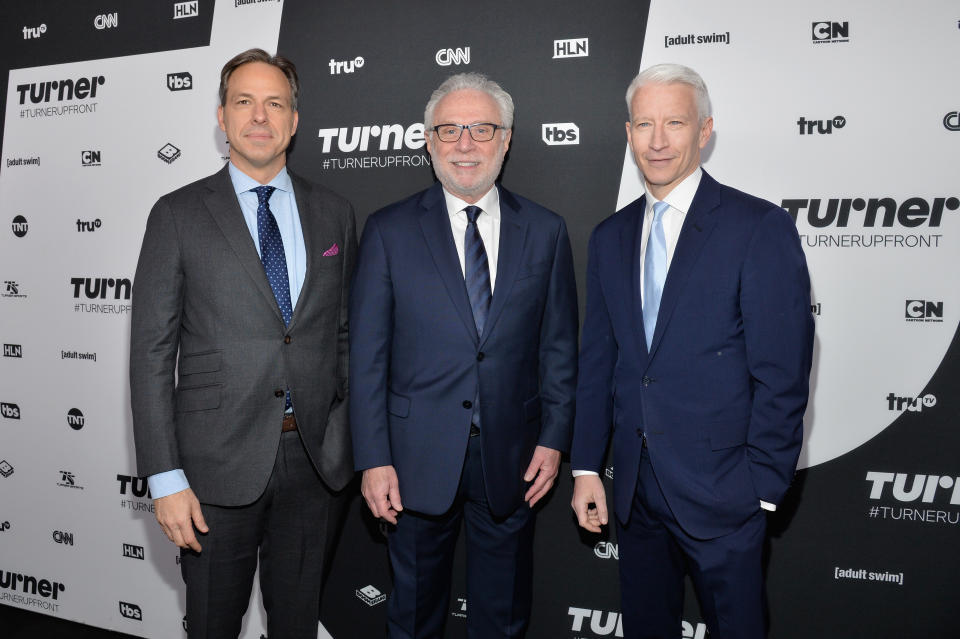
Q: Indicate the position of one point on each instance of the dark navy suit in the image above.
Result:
(417, 366)
(719, 396)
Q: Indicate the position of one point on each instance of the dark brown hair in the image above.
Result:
(287, 67)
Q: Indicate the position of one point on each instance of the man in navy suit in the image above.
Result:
(462, 370)
(695, 356)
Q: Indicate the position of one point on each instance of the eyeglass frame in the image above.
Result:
(469, 127)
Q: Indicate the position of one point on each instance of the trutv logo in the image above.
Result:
(926, 488)
(912, 404)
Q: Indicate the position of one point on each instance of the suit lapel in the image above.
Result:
(310, 223)
(630, 263)
(513, 231)
(696, 230)
(222, 204)
(435, 224)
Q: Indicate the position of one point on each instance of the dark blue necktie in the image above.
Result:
(477, 270)
(274, 258)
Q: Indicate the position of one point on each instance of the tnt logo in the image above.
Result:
(63, 537)
(446, 57)
(75, 419)
(131, 611)
(90, 158)
(133, 552)
(370, 595)
(12, 350)
(19, 226)
(10, 411)
(348, 66)
(571, 48)
(560, 133)
(181, 81)
(106, 21)
(186, 9)
(923, 311)
(824, 127)
(912, 404)
(606, 550)
(831, 32)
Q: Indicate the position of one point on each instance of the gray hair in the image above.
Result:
(673, 74)
(476, 82)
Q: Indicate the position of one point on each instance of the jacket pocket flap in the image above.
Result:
(198, 398)
(398, 405)
(531, 408)
(208, 362)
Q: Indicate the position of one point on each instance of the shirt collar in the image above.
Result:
(681, 197)
(243, 182)
(490, 202)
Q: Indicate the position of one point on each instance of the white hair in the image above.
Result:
(673, 74)
(476, 82)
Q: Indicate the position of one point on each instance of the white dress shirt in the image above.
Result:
(488, 223)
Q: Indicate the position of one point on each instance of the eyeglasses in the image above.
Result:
(481, 132)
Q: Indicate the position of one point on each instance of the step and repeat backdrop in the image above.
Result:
(844, 113)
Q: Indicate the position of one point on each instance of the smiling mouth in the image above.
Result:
(465, 164)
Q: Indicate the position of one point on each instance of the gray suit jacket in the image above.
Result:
(202, 306)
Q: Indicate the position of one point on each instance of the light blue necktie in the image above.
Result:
(654, 271)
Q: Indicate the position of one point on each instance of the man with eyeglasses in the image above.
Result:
(462, 370)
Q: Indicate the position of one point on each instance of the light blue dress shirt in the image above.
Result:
(283, 204)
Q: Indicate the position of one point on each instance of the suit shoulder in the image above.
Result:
(190, 193)
(744, 202)
(326, 196)
(399, 210)
(614, 223)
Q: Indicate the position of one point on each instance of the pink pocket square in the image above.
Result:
(333, 250)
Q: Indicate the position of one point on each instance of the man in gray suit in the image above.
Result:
(242, 289)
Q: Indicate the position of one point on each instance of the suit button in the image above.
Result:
(278, 393)
(286, 339)
(467, 404)
(480, 356)
(639, 432)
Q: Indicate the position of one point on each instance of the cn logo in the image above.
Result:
(917, 310)
(557, 133)
(831, 32)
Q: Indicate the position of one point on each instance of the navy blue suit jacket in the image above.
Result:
(722, 391)
(416, 362)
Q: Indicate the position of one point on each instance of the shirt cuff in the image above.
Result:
(766, 505)
(163, 484)
(577, 473)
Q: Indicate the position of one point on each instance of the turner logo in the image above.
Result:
(358, 138)
(912, 404)
(30, 585)
(106, 21)
(601, 623)
(830, 32)
(19, 226)
(182, 81)
(98, 287)
(370, 595)
(10, 411)
(824, 127)
(131, 611)
(925, 488)
(557, 133)
(571, 48)
(12, 350)
(75, 419)
(446, 57)
(607, 550)
(867, 212)
(138, 485)
(349, 66)
(60, 90)
(90, 158)
(133, 552)
(29, 33)
(923, 311)
(186, 9)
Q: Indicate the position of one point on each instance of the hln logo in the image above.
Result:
(90, 158)
(12, 350)
(186, 9)
(825, 31)
(132, 551)
(923, 311)
(571, 48)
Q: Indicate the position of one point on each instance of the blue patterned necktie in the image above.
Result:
(477, 270)
(274, 258)
(654, 271)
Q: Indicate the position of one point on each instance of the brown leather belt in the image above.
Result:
(289, 423)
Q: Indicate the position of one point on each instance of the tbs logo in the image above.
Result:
(557, 133)
(90, 158)
(131, 611)
(831, 32)
(182, 81)
(923, 311)
(10, 411)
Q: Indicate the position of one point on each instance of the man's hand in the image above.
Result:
(588, 489)
(381, 489)
(544, 466)
(178, 514)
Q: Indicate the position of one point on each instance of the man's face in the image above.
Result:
(466, 168)
(259, 119)
(665, 134)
